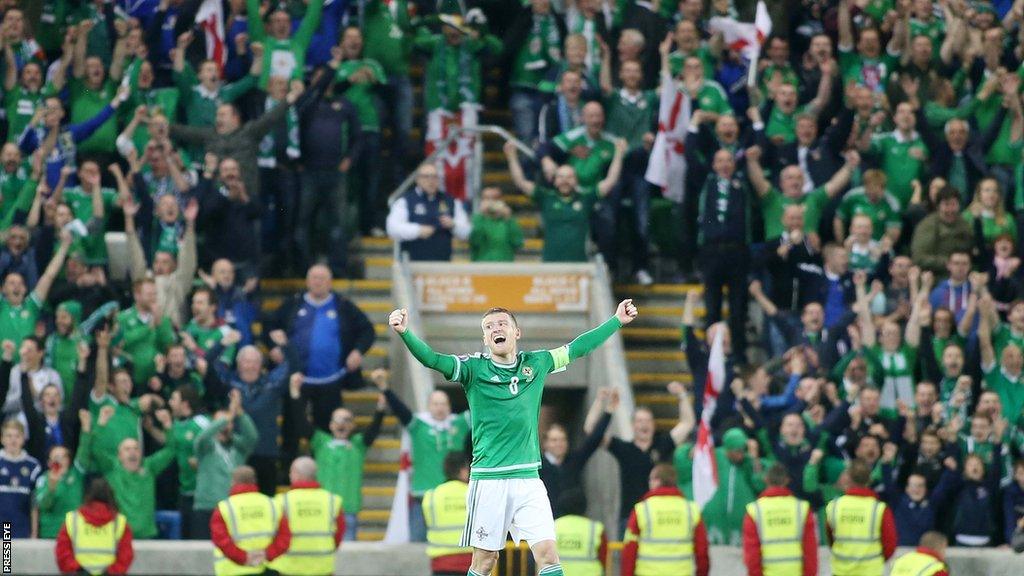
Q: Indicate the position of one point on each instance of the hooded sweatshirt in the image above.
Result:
(96, 514)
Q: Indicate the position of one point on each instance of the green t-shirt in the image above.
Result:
(201, 105)
(631, 116)
(157, 101)
(774, 203)
(362, 94)
(1003, 336)
(935, 29)
(884, 214)
(566, 223)
(871, 72)
(897, 374)
(991, 229)
(207, 337)
(712, 98)
(588, 156)
(540, 51)
(21, 105)
(894, 152)
(1010, 390)
(85, 104)
(62, 356)
(19, 322)
(123, 424)
(861, 257)
(677, 58)
(339, 467)
(493, 239)
(431, 442)
(185, 432)
(387, 35)
(94, 246)
(66, 496)
(781, 127)
(11, 187)
(284, 58)
(785, 73)
(141, 343)
(504, 407)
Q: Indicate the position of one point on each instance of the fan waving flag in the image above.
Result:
(398, 522)
(705, 474)
(210, 18)
(744, 37)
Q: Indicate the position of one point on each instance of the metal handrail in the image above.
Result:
(483, 129)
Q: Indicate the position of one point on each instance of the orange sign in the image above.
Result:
(439, 292)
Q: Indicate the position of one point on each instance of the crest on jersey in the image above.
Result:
(528, 373)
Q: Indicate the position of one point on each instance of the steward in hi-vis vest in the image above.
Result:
(582, 543)
(313, 521)
(861, 528)
(665, 535)
(444, 510)
(95, 539)
(245, 528)
(927, 560)
(779, 532)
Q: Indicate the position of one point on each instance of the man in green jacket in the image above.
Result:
(740, 480)
(220, 448)
(284, 53)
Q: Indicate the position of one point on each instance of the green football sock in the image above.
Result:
(552, 570)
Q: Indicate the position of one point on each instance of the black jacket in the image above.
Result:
(824, 157)
(941, 155)
(356, 331)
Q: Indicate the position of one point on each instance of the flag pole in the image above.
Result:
(752, 71)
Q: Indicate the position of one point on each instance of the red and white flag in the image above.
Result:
(210, 18)
(398, 522)
(705, 472)
(666, 167)
(744, 37)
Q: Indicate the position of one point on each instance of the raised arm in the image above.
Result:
(755, 173)
(604, 187)
(515, 169)
(687, 418)
(845, 26)
(11, 65)
(42, 289)
(589, 341)
(446, 364)
(988, 354)
(841, 178)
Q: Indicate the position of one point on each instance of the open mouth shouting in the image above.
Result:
(498, 338)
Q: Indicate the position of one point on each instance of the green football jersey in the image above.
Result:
(504, 407)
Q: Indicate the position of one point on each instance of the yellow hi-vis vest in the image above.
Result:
(917, 564)
(95, 547)
(780, 524)
(579, 540)
(444, 509)
(665, 546)
(252, 524)
(856, 523)
(312, 518)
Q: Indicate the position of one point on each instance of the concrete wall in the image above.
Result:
(155, 558)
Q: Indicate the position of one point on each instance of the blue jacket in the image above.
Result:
(262, 400)
(915, 518)
(1013, 509)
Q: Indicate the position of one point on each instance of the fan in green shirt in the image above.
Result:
(62, 345)
(565, 209)
(91, 204)
(1002, 375)
(869, 65)
(340, 451)
(142, 334)
(22, 98)
(20, 308)
(360, 78)
(791, 180)
(587, 148)
(386, 25)
(902, 154)
(157, 101)
(540, 51)
(988, 205)
(15, 174)
(132, 477)
(874, 201)
(453, 70)
(205, 330)
(284, 54)
(496, 234)
(59, 491)
(688, 43)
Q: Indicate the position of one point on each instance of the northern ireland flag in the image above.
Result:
(705, 474)
(210, 18)
(744, 37)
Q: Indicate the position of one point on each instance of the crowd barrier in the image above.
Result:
(163, 558)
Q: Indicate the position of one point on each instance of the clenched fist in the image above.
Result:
(399, 321)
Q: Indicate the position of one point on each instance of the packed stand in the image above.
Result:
(865, 191)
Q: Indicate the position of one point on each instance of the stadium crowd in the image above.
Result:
(865, 191)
